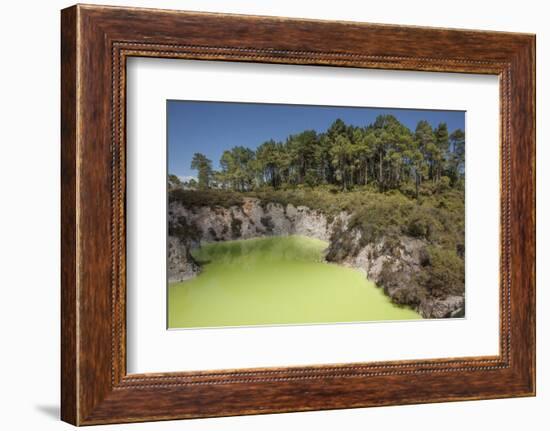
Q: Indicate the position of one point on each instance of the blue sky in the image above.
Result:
(212, 127)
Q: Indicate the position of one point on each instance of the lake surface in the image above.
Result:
(273, 281)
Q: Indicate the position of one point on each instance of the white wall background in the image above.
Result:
(29, 215)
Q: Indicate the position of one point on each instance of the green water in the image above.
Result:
(272, 281)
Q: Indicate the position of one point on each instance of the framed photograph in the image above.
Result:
(264, 215)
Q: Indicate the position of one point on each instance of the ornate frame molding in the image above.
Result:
(96, 41)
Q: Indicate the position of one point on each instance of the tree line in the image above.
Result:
(385, 153)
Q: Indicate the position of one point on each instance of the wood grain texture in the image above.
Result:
(69, 397)
(96, 41)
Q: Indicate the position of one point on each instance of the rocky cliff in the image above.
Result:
(392, 263)
(181, 265)
(252, 219)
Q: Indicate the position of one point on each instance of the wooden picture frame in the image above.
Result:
(95, 43)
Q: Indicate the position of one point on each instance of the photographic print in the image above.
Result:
(299, 214)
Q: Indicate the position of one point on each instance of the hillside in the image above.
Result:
(412, 248)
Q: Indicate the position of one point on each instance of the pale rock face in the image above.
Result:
(452, 306)
(253, 220)
(402, 260)
(372, 256)
(181, 265)
(308, 223)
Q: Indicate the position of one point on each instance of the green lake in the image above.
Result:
(274, 281)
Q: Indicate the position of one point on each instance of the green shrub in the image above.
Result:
(409, 294)
(417, 228)
(443, 184)
(205, 198)
(445, 273)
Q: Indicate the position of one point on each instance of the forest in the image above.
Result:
(386, 154)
